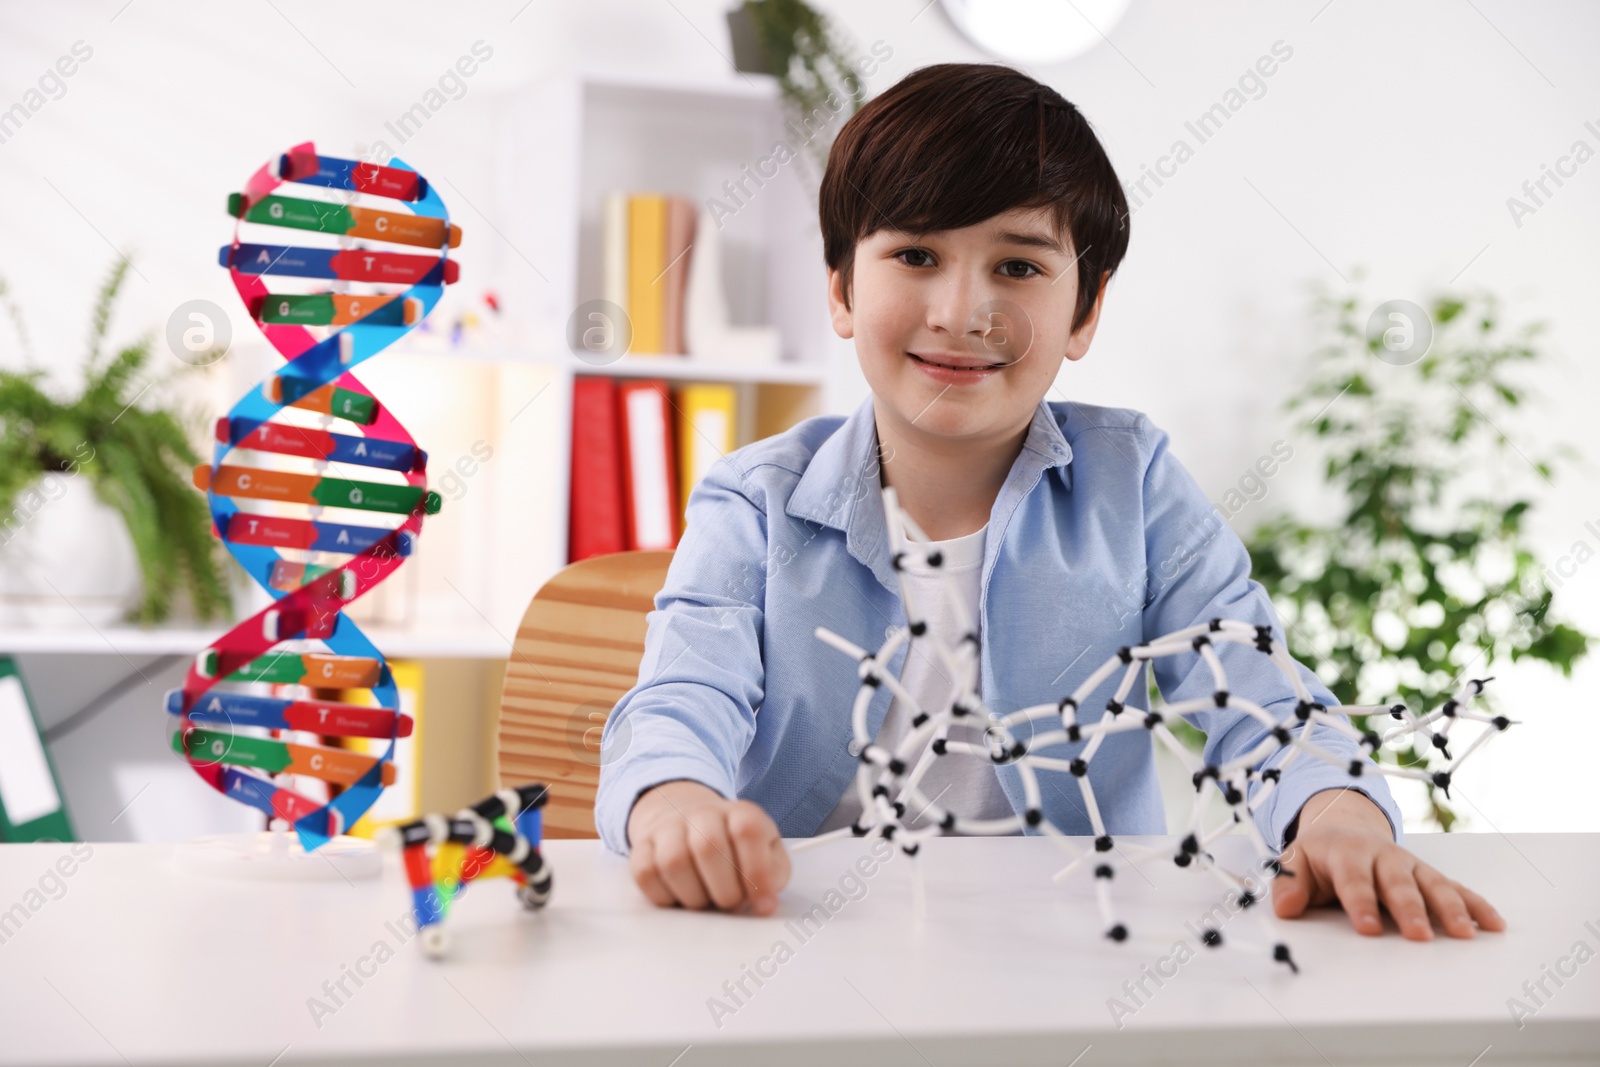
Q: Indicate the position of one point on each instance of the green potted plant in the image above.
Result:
(65, 462)
(809, 56)
(1426, 578)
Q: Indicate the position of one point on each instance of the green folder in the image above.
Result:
(31, 807)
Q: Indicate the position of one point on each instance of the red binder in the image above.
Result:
(595, 509)
(649, 464)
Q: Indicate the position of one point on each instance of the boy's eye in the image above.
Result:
(1007, 267)
(900, 255)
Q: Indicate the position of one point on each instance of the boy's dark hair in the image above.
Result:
(953, 144)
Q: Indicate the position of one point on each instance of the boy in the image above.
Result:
(971, 222)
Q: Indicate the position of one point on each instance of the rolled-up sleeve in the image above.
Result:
(691, 715)
(1200, 570)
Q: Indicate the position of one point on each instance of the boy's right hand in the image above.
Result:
(691, 846)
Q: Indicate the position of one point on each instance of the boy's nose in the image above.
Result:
(953, 306)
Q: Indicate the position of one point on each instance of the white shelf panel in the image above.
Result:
(675, 367)
(463, 641)
(678, 368)
(731, 86)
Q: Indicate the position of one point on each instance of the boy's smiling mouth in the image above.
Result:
(949, 361)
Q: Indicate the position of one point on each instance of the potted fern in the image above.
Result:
(809, 56)
(1426, 577)
(88, 479)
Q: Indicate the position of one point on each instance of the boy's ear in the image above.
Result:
(1078, 346)
(843, 321)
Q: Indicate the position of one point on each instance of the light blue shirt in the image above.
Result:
(1099, 538)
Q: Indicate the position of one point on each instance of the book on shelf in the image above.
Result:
(638, 448)
(646, 240)
(706, 433)
(675, 275)
(595, 524)
(649, 477)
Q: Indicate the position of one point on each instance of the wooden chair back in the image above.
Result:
(576, 653)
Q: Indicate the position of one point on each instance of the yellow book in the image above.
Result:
(707, 427)
(402, 801)
(647, 264)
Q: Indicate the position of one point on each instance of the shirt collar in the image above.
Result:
(842, 486)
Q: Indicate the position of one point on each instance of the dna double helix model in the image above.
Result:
(312, 438)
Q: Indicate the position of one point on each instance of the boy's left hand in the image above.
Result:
(1345, 850)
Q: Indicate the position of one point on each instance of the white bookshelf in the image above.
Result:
(565, 142)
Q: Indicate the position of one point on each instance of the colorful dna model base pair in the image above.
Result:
(315, 488)
(887, 781)
(498, 837)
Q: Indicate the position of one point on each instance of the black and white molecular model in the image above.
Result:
(887, 781)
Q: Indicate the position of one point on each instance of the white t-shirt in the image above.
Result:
(964, 784)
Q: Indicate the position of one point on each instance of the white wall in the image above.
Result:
(1390, 140)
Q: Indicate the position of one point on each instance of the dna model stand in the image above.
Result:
(887, 781)
(319, 493)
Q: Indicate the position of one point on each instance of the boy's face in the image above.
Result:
(997, 296)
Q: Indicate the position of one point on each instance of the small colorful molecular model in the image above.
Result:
(498, 837)
(887, 780)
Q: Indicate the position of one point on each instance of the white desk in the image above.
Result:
(133, 964)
